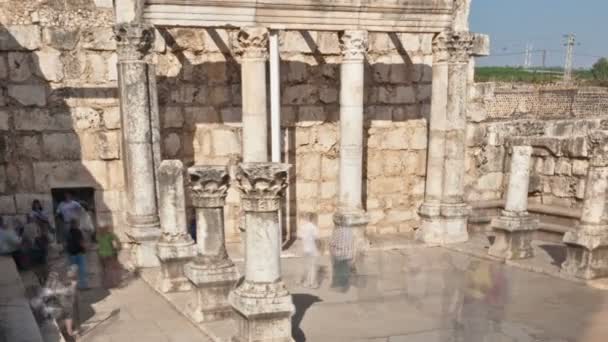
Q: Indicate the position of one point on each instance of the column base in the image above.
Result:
(143, 252)
(586, 253)
(356, 221)
(514, 234)
(173, 257)
(443, 223)
(212, 284)
(263, 312)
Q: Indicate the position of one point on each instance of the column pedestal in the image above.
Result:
(212, 272)
(515, 229)
(261, 301)
(175, 246)
(587, 247)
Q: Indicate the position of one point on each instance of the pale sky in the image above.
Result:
(542, 23)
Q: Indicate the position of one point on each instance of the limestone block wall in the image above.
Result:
(60, 124)
(59, 118)
(557, 112)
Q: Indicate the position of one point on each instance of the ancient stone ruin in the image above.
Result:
(243, 114)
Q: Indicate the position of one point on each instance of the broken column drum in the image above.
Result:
(350, 214)
(587, 247)
(212, 271)
(139, 115)
(175, 246)
(515, 228)
(262, 303)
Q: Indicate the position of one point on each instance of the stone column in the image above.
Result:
(350, 213)
(431, 230)
(212, 271)
(587, 246)
(175, 246)
(454, 210)
(261, 301)
(136, 107)
(253, 42)
(515, 229)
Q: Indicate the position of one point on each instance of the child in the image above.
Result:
(309, 236)
(107, 248)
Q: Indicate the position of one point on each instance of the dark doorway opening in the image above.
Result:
(86, 198)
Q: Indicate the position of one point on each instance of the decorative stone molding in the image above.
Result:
(598, 146)
(133, 40)
(440, 48)
(460, 46)
(261, 185)
(354, 44)
(253, 42)
(208, 186)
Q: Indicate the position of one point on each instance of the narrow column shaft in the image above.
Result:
(351, 133)
(173, 200)
(519, 180)
(594, 205)
(136, 83)
(437, 123)
(254, 43)
(263, 258)
(209, 231)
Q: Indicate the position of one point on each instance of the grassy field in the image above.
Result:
(537, 76)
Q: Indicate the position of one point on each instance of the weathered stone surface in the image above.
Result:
(61, 146)
(61, 38)
(20, 66)
(28, 94)
(172, 144)
(111, 117)
(49, 65)
(20, 37)
(100, 39)
(108, 145)
(225, 142)
(4, 120)
(7, 205)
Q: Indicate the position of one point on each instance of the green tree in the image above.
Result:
(600, 70)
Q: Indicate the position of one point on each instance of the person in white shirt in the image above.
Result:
(10, 243)
(68, 210)
(309, 234)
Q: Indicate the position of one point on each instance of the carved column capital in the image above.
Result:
(460, 47)
(253, 42)
(209, 185)
(134, 40)
(354, 44)
(261, 185)
(440, 48)
(598, 145)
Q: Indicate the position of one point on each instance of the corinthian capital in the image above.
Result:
(460, 46)
(209, 185)
(353, 44)
(261, 185)
(134, 40)
(598, 144)
(253, 42)
(440, 48)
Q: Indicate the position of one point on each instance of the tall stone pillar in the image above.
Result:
(136, 82)
(515, 228)
(212, 271)
(431, 230)
(454, 209)
(350, 214)
(262, 302)
(175, 246)
(253, 42)
(587, 246)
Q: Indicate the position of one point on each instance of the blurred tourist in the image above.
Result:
(108, 246)
(75, 246)
(10, 243)
(309, 233)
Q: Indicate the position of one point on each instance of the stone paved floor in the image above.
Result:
(437, 295)
(414, 294)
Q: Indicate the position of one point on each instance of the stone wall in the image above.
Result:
(562, 114)
(60, 124)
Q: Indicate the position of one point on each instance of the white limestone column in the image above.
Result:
(350, 213)
(262, 302)
(138, 132)
(431, 230)
(454, 210)
(212, 271)
(175, 246)
(587, 246)
(519, 180)
(253, 42)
